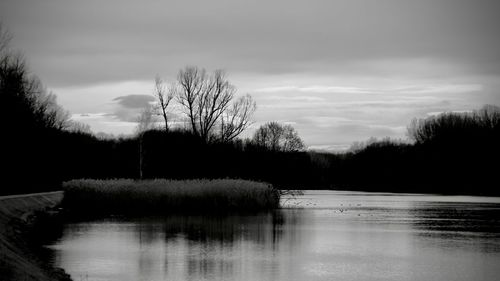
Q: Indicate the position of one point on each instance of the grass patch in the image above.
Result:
(126, 196)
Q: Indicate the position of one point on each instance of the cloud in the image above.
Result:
(435, 113)
(314, 89)
(404, 89)
(88, 116)
(135, 101)
(443, 88)
(329, 147)
(105, 122)
(126, 114)
(129, 107)
(98, 98)
(124, 110)
(90, 42)
(325, 121)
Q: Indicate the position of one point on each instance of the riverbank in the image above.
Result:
(18, 258)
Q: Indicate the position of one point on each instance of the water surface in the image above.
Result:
(322, 235)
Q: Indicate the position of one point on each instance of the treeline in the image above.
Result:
(461, 165)
(455, 153)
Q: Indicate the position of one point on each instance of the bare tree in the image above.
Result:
(278, 137)
(269, 135)
(237, 118)
(164, 94)
(28, 99)
(206, 99)
(191, 81)
(145, 121)
(291, 140)
(55, 115)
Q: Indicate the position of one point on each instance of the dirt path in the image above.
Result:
(17, 262)
(18, 206)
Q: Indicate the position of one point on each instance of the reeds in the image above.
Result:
(126, 196)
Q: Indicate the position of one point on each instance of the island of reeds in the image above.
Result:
(160, 196)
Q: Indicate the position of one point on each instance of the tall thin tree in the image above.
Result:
(164, 93)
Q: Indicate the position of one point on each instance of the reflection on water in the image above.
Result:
(323, 235)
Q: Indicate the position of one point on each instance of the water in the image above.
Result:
(322, 235)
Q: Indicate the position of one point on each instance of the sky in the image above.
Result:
(339, 71)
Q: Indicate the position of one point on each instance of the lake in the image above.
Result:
(321, 235)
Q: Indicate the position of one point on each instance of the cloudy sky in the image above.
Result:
(338, 70)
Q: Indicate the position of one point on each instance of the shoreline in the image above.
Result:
(21, 254)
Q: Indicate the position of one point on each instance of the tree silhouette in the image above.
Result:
(28, 102)
(164, 94)
(237, 118)
(277, 137)
(207, 102)
(456, 126)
